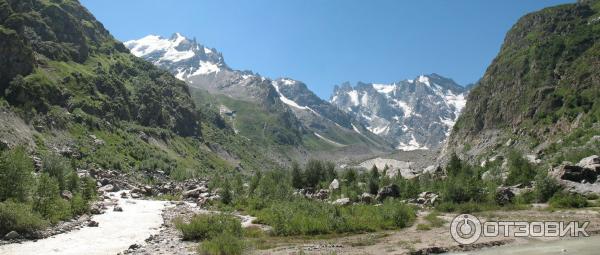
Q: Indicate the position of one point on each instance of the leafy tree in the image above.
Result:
(314, 173)
(519, 169)
(545, 187)
(374, 180)
(297, 178)
(47, 200)
(454, 165)
(350, 177)
(88, 188)
(57, 167)
(330, 171)
(16, 175)
(226, 196)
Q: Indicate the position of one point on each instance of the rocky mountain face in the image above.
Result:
(414, 114)
(314, 118)
(540, 94)
(68, 87)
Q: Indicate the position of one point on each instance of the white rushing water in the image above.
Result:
(115, 233)
(579, 246)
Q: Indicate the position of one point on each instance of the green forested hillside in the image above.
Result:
(541, 92)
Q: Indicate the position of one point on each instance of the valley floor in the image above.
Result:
(146, 227)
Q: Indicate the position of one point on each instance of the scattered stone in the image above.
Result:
(93, 224)
(388, 191)
(136, 195)
(342, 201)
(321, 194)
(575, 173)
(66, 195)
(504, 195)
(591, 162)
(12, 235)
(367, 198)
(335, 184)
(118, 208)
(134, 246)
(427, 198)
(124, 194)
(106, 188)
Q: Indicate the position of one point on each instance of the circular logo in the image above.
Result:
(465, 229)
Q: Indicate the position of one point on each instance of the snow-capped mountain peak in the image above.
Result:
(178, 54)
(416, 114)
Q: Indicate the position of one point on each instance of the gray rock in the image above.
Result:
(334, 185)
(504, 195)
(66, 194)
(367, 198)
(342, 201)
(12, 235)
(391, 190)
(118, 208)
(321, 194)
(107, 188)
(93, 224)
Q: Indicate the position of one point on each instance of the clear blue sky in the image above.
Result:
(324, 43)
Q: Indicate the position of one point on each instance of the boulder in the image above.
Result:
(194, 193)
(96, 209)
(66, 194)
(591, 162)
(124, 194)
(388, 191)
(321, 194)
(427, 198)
(106, 188)
(118, 208)
(342, 201)
(504, 195)
(93, 224)
(334, 185)
(12, 235)
(367, 198)
(575, 173)
(135, 195)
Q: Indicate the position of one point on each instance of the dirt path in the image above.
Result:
(413, 240)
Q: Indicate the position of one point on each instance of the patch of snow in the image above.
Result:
(364, 100)
(424, 79)
(207, 50)
(154, 43)
(115, 233)
(384, 88)
(287, 82)
(379, 130)
(353, 97)
(356, 129)
(406, 109)
(458, 101)
(206, 68)
(328, 140)
(412, 145)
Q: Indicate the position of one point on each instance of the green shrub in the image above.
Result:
(58, 168)
(79, 205)
(545, 187)
(567, 200)
(16, 175)
(19, 217)
(207, 226)
(308, 217)
(519, 169)
(48, 202)
(222, 244)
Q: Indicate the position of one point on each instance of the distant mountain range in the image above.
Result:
(316, 124)
(413, 114)
(407, 115)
